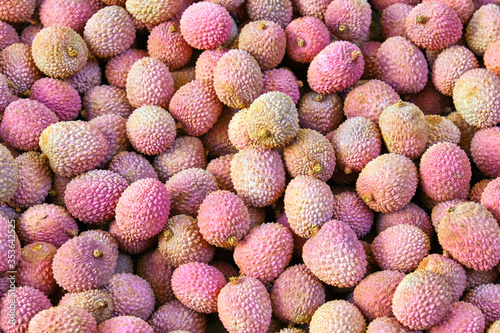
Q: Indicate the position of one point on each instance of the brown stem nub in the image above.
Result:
(232, 240)
(422, 19)
(342, 28)
(262, 26)
(400, 103)
(167, 234)
(301, 42)
(101, 304)
(450, 209)
(234, 279)
(53, 193)
(37, 247)
(97, 253)
(355, 55)
(347, 170)
(72, 52)
(319, 97)
(264, 133)
(316, 168)
(172, 28)
(72, 233)
(367, 198)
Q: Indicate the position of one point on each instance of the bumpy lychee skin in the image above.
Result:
(149, 83)
(462, 317)
(92, 196)
(296, 295)
(373, 295)
(136, 215)
(350, 209)
(114, 129)
(421, 300)
(196, 107)
(19, 307)
(393, 18)
(16, 12)
(23, 122)
(153, 12)
(35, 267)
(344, 65)
(491, 198)
(337, 315)
(409, 214)
(476, 97)
(167, 44)
(305, 38)
(433, 26)
(75, 15)
(481, 31)
(97, 302)
(29, 33)
(104, 237)
(197, 285)
(124, 264)
(205, 64)
(237, 306)
(272, 120)
(73, 147)
(369, 51)
(59, 52)
(58, 96)
(223, 218)
(381, 5)
(237, 79)
(183, 76)
(478, 278)
(175, 316)
(487, 299)
(237, 130)
(128, 243)
(387, 324)
(485, 151)
(216, 140)
(492, 58)
(153, 268)
(46, 223)
(265, 41)
(449, 66)
(87, 78)
(17, 64)
(283, 80)
(63, 319)
(322, 113)
(387, 183)
(401, 247)
(445, 172)
(6, 93)
(186, 152)
(276, 11)
(258, 176)
(349, 20)
(117, 68)
(35, 180)
(132, 296)
(335, 255)
(124, 324)
(205, 25)
(471, 223)
(405, 66)
(441, 129)
(308, 205)
(477, 190)
(132, 166)
(439, 210)
(104, 99)
(9, 35)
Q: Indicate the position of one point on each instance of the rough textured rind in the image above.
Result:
(466, 131)
(476, 96)
(237, 79)
(305, 38)
(337, 67)
(96, 302)
(23, 122)
(264, 252)
(58, 96)
(132, 296)
(149, 83)
(487, 299)
(462, 318)
(387, 325)
(308, 205)
(244, 306)
(373, 295)
(441, 129)
(25, 302)
(485, 151)
(296, 295)
(18, 11)
(88, 77)
(124, 324)
(258, 176)
(104, 99)
(205, 64)
(279, 11)
(166, 43)
(6, 93)
(8, 34)
(92, 197)
(404, 129)
(181, 242)
(380, 5)
(175, 316)
(35, 267)
(405, 66)
(409, 214)
(335, 255)
(73, 147)
(350, 209)
(337, 316)
(272, 120)
(491, 198)
(439, 211)
(117, 68)
(17, 64)
(401, 247)
(237, 130)
(63, 319)
(421, 300)
(153, 12)
(75, 14)
(283, 80)
(433, 26)
(223, 219)
(265, 41)
(124, 264)
(46, 223)
(143, 209)
(153, 268)
(445, 172)
(114, 129)
(492, 57)
(477, 190)
(83, 263)
(216, 140)
(349, 20)
(59, 52)
(482, 31)
(369, 51)
(205, 25)
(393, 18)
(495, 327)
(471, 234)
(132, 166)
(128, 243)
(387, 183)
(322, 113)
(195, 106)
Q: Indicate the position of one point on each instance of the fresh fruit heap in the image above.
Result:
(258, 166)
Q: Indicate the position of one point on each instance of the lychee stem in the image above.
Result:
(232, 240)
(342, 28)
(400, 103)
(97, 253)
(101, 304)
(319, 97)
(37, 247)
(347, 170)
(355, 55)
(53, 193)
(301, 42)
(264, 133)
(421, 19)
(172, 28)
(262, 26)
(367, 198)
(72, 52)
(167, 234)
(234, 279)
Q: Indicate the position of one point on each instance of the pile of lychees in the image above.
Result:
(249, 166)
